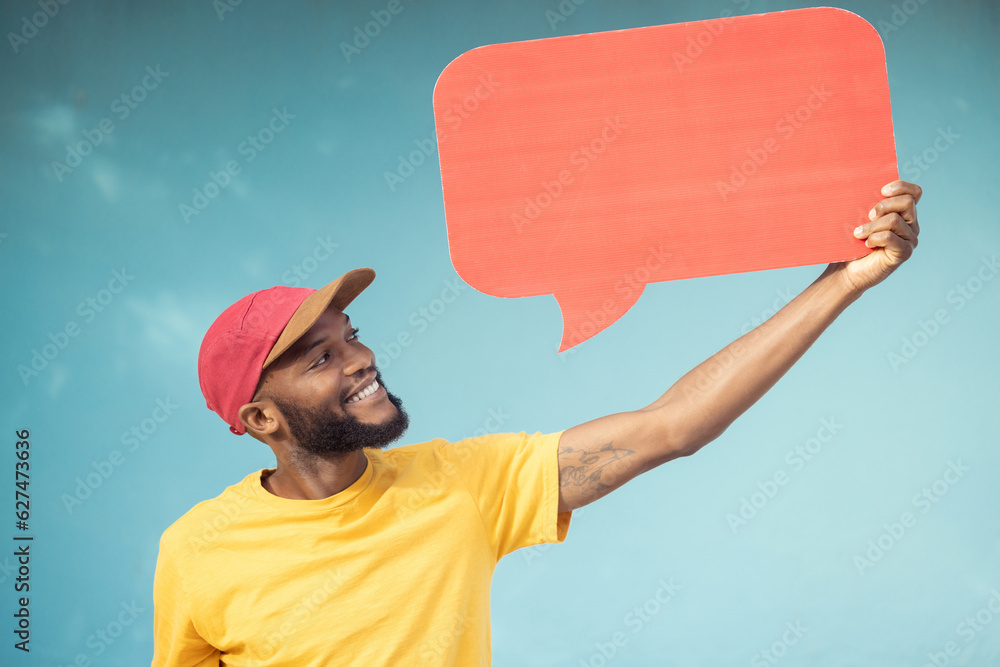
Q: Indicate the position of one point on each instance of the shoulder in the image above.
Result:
(493, 442)
(488, 446)
(209, 516)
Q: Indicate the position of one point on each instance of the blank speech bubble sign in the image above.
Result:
(587, 166)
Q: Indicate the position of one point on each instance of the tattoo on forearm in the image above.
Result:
(592, 464)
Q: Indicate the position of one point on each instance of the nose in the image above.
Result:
(357, 358)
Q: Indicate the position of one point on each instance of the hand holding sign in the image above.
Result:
(602, 162)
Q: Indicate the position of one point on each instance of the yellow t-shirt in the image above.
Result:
(394, 570)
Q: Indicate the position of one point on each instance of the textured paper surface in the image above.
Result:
(587, 166)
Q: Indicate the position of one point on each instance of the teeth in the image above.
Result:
(367, 391)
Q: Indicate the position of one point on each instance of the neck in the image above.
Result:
(299, 477)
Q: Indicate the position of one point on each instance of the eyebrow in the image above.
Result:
(347, 321)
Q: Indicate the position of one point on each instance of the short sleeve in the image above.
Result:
(514, 480)
(176, 642)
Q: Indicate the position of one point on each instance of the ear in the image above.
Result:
(260, 418)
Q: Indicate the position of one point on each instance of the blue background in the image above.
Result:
(323, 177)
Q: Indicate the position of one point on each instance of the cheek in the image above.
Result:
(320, 388)
(325, 388)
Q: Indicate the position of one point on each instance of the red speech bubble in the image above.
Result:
(590, 165)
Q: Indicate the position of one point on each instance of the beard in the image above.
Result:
(320, 432)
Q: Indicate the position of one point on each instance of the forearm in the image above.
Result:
(600, 455)
(705, 401)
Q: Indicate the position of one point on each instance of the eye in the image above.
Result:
(354, 334)
(321, 360)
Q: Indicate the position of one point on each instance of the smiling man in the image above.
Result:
(350, 554)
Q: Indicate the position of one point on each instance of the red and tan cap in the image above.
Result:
(249, 335)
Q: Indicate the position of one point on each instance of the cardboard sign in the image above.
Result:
(590, 165)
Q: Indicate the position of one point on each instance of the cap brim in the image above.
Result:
(339, 294)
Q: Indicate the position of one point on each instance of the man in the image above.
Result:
(346, 554)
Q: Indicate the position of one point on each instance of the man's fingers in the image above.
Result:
(897, 248)
(902, 188)
(905, 205)
(902, 205)
(892, 223)
(902, 198)
(891, 232)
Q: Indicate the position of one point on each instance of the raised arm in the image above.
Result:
(598, 456)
